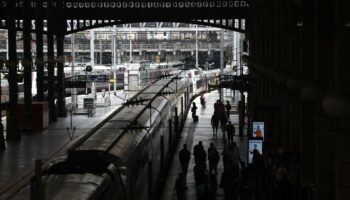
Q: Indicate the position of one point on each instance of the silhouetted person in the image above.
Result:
(200, 155)
(258, 169)
(258, 161)
(281, 176)
(201, 178)
(216, 107)
(213, 157)
(228, 109)
(232, 159)
(194, 110)
(202, 100)
(230, 130)
(245, 191)
(184, 158)
(228, 184)
(180, 187)
(223, 121)
(215, 125)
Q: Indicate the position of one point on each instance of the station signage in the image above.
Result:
(254, 144)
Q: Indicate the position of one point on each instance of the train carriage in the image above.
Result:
(127, 157)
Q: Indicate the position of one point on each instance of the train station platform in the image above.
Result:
(18, 159)
(192, 133)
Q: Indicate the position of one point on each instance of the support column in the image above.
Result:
(92, 48)
(325, 66)
(73, 91)
(39, 29)
(341, 77)
(308, 138)
(342, 166)
(27, 63)
(12, 130)
(61, 100)
(114, 59)
(51, 64)
(241, 113)
(2, 137)
(221, 61)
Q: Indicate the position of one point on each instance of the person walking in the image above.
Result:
(200, 156)
(223, 121)
(213, 157)
(194, 111)
(184, 158)
(202, 100)
(230, 130)
(180, 187)
(228, 184)
(215, 125)
(228, 109)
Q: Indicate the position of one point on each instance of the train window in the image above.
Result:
(196, 72)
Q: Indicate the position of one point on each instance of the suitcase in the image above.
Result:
(195, 118)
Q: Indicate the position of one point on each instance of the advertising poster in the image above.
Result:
(254, 144)
(258, 129)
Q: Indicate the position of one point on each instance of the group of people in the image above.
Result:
(222, 115)
(206, 180)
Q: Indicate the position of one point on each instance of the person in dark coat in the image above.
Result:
(184, 158)
(213, 157)
(228, 184)
(228, 109)
(180, 187)
(215, 125)
(200, 156)
(230, 130)
(194, 110)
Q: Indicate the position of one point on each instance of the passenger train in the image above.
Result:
(127, 157)
(148, 72)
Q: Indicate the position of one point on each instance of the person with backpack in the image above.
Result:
(213, 157)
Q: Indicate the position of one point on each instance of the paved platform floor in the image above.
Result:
(19, 156)
(202, 131)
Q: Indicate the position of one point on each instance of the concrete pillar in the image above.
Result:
(308, 139)
(27, 63)
(342, 166)
(39, 28)
(51, 63)
(325, 158)
(12, 130)
(308, 144)
(61, 99)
